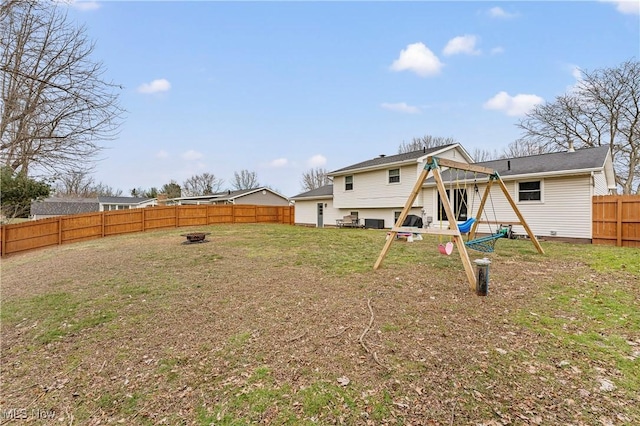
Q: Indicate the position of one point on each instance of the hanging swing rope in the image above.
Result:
(487, 243)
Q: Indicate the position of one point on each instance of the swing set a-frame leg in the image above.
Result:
(453, 225)
(523, 222)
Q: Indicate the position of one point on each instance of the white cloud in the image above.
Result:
(497, 50)
(86, 5)
(156, 86)
(418, 58)
(278, 162)
(162, 154)
(627, 7)
(317, 160)
(517, 105)
(465, 44)
(498, 12)
(192, 155)
(401, 107)
(80, 5)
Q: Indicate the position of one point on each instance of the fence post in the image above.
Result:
(60, 231)
(3, 248)
(144, 228)
(619, 222)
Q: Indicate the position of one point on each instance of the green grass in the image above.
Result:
(589, 321)
(586, 312)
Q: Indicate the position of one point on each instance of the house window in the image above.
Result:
(530, 191)
(459, 205)
(394, 176)
(348, 183)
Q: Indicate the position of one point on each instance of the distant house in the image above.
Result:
(553, 191)
(58, 206)
(260, 196)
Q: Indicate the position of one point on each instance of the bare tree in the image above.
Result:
(56, 107)
(602, 109)
(315, 178)
(524, 148)
(480, 154)
(78, 183)
(245, 180)
(427, 141)
(202, 184)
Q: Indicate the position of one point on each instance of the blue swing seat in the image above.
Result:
(465, 226)
(487, 244)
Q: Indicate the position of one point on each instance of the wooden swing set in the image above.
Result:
(434, 165)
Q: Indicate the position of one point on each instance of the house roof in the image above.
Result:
(580, 159)
(325, 191)
(230, 195)
(565, 162)
(61, 206)
(385, 160)
(123, 200)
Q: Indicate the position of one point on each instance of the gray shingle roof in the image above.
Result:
(56, 207)
(323, 191)
(388, 159)
(123, 200)
(581, 159)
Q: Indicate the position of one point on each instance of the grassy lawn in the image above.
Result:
(278, 324)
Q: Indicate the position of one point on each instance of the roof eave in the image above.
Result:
(562, 173)
(378, 167)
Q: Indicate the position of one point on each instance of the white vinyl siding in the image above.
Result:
(600, 184)
(566, 208)
(306, 212)
(371, 190)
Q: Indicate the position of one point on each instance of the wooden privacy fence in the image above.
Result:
(616, 220)
(81, 227)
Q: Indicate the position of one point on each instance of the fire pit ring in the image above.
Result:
(196, 237)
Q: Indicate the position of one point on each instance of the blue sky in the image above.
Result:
(278, 88)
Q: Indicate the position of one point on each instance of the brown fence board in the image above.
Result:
(192, 215)
(219, 214)
(123, 221)
(75, 228)
(616, 220)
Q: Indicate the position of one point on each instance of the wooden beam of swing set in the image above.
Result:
(460, 166)
(434, 164)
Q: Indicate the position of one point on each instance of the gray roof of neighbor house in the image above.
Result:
(554, 162)
(230, 195)
(123, 200)
(388, 159)
(324, 191)
(62, 206)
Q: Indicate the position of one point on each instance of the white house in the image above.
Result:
(61, 206)
(553, 191)
(261, 196)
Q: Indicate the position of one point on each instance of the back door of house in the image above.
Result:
(320, 214)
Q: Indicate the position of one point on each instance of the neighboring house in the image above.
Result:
(260, 196)
(123, 203)
(553, 191)
(52, 207)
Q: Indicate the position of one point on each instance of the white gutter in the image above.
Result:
(532, 175)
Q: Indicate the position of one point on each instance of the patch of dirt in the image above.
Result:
(191, 324)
